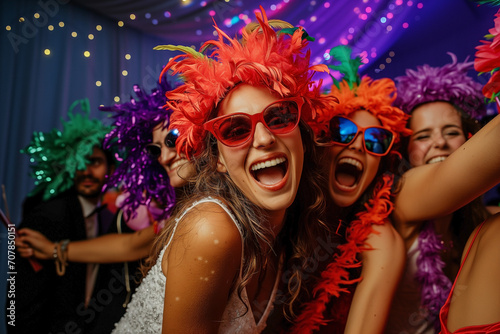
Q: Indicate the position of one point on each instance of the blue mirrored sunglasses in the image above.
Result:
(377, 140)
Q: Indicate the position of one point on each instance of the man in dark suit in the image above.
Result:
(66, 205)
(45, 301)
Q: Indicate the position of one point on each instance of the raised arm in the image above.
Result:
(201, 268)
(381, 272)
(435, 190)
(104, 249)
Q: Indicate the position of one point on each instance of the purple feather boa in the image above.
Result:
(447, 83)
(143, 178)
(435, 284)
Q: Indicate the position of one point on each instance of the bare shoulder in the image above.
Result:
(384, 236)
(386, 244)
(208, 220)
(493, 209)
(489, 236)
(209, 230)
(203, 263)
(486, 242)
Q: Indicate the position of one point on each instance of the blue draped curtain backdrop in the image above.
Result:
(54, 52)
(37, 89)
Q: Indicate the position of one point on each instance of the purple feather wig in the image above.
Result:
(140, 176)
(448, 83)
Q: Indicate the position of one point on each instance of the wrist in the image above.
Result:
(54, 250)
(64, 246)
(60, 256)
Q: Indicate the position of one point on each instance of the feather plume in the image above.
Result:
(139, 176)
(57, 155)
(353, 94)
(276, 24)
(487, 61)
(291, 31)
(447, 83)
(185, 49)
(348, 67)
(261, 57)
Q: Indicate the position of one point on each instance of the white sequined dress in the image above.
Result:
(145, 311)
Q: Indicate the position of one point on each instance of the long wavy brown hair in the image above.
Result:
(296, 240)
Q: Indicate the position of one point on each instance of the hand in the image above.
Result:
(31, 243)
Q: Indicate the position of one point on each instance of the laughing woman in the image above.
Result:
(445, 105)
(357, 136)
(218, 261)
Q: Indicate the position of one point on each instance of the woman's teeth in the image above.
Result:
(352, 162)
(268, 163)
(177, 163)
(436, 159)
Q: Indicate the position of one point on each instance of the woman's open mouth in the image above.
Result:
(270, 172)
(348, 172)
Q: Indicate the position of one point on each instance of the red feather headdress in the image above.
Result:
(354, 94)
(375, 96)
(277, 60)
(488, 61)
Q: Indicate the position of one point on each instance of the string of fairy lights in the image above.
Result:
(362, 11)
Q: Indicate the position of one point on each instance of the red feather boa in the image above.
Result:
(336, 274)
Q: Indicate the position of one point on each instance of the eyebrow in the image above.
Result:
(447, 126)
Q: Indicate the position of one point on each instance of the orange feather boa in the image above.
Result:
(336, 273)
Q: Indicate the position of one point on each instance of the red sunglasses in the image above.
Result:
(279, 117)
